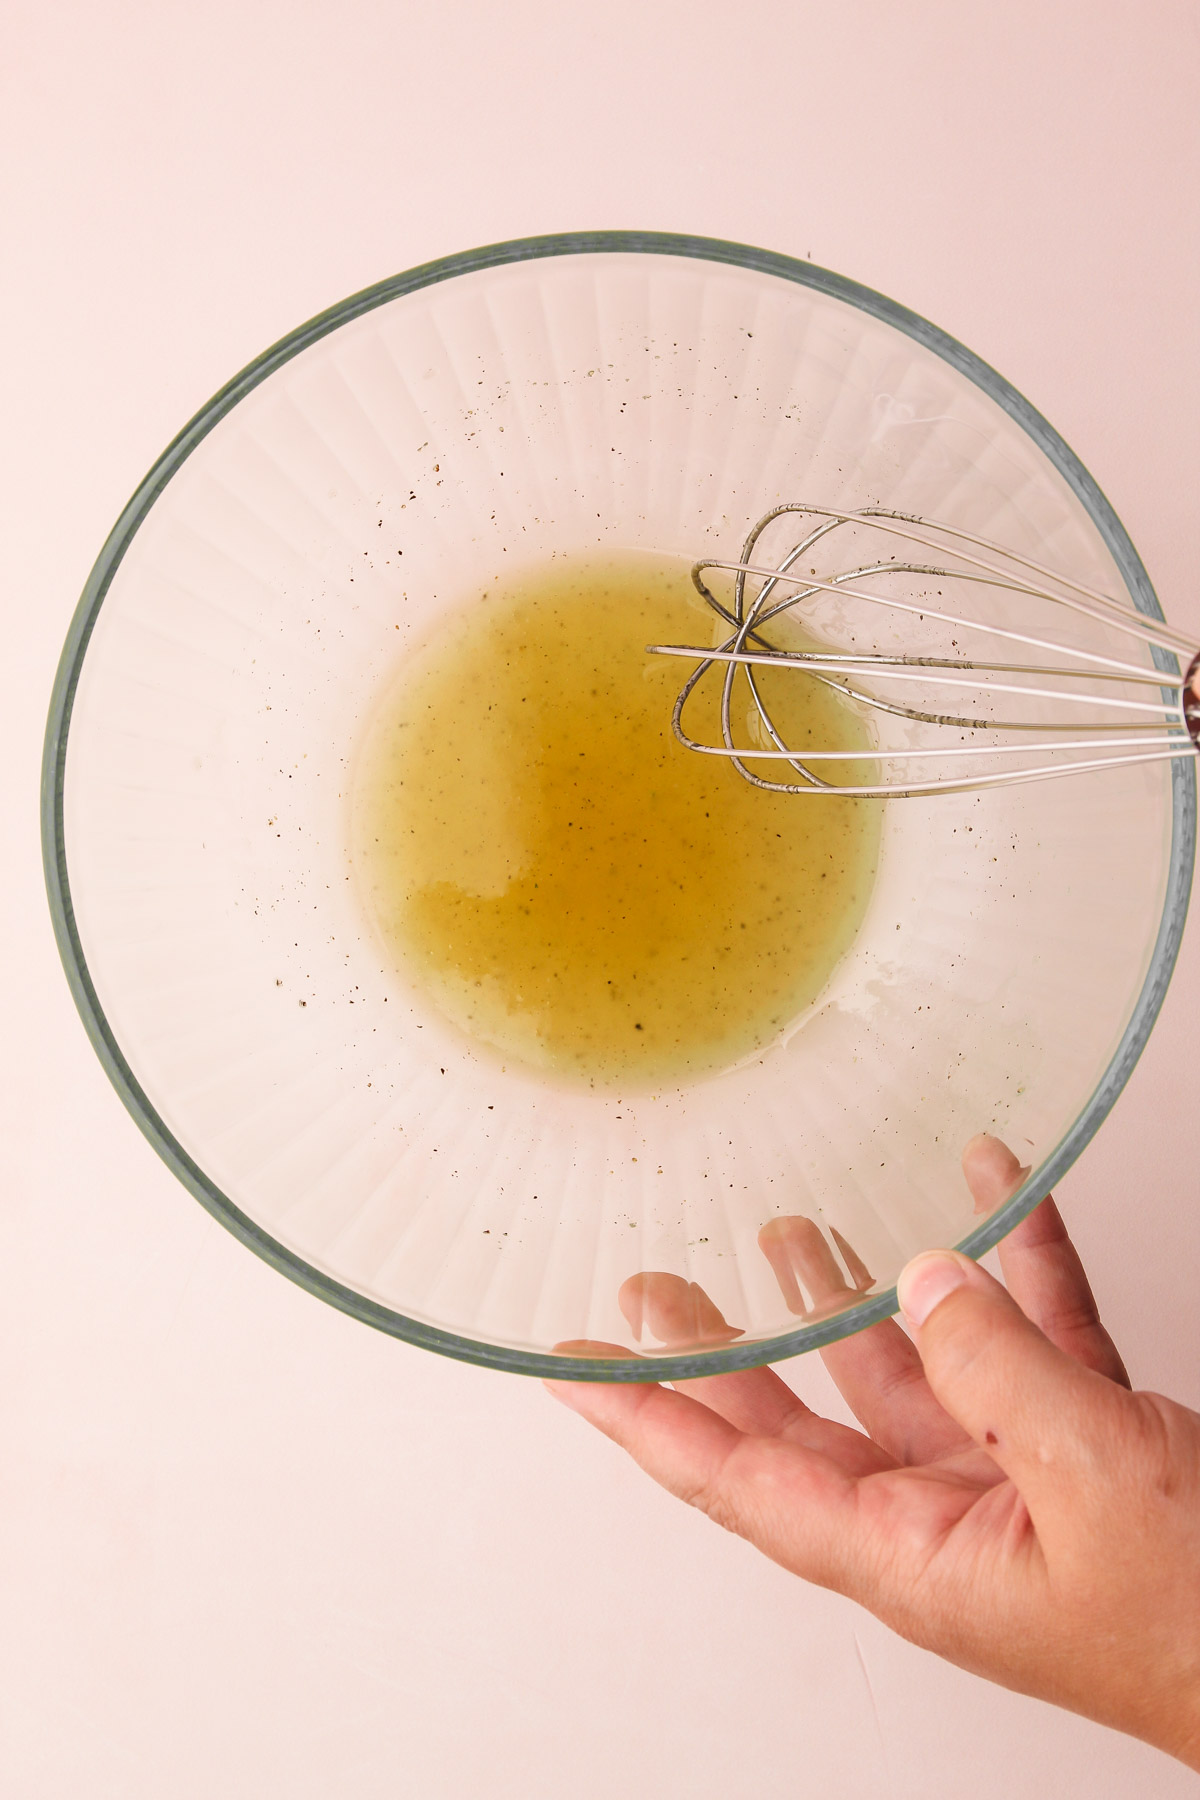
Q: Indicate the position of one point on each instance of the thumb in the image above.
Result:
(1051, 1424)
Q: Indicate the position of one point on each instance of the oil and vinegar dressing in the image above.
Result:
(560, 877)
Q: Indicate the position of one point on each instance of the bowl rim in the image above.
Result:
(655, 1367)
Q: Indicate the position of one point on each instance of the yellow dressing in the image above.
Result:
(561, 878)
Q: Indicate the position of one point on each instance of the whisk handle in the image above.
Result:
(1191, 701)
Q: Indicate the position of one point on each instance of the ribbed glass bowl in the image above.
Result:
(546, 396)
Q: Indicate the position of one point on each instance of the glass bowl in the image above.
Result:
(610, 390)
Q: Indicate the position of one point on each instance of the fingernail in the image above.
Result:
(926, 1281)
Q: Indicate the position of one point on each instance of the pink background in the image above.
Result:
(247, 1547)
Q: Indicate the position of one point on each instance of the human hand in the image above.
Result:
(1009, 1504)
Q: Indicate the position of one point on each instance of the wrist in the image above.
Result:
(1172, 1721)
(1183, 1738)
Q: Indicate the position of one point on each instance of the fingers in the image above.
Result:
(793, 1503)
(678, 1312)
(880, 1376)
(1041, 1265)
(1047, 1280)
(992, 1171)
(801, 1257)
(755, 1401)
(878, 1371)
(1051, 1424)
(595, 1348)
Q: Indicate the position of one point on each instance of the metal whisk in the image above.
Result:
(887, 632)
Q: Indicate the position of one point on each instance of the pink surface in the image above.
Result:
(246, 1546)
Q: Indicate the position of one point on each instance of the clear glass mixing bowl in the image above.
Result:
(550, 395)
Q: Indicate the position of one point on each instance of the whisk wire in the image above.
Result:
(1174, 716)
(887, 519)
